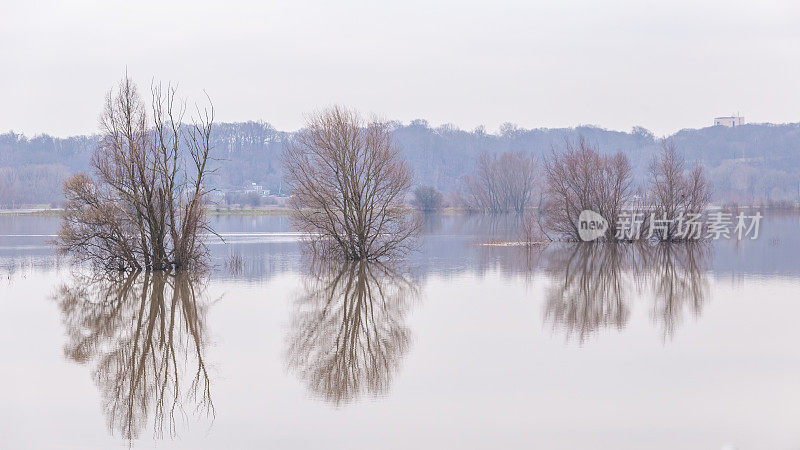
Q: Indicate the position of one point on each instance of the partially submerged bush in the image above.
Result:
(348, 185)
(144, 209)
(675, 194)
(581, 179)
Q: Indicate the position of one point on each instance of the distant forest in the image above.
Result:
(749, 163)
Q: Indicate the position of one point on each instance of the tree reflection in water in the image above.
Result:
(348, 335)
(679, 281)
(593, 289)
(592, 284)
(144, 334)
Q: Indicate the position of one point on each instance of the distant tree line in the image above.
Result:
(32, 184)
(751, 163)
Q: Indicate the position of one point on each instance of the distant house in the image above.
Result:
(729, 121)
(255, 188)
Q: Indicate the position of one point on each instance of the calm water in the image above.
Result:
(460, 346)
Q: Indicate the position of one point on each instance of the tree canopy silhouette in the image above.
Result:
(348, 186)
(144, 207)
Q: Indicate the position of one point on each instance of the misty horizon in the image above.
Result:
(498, 131)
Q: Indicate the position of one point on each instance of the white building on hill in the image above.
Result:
(729, 121)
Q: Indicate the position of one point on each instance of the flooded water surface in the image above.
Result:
(460, 345)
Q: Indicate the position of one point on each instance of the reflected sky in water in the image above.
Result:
(461, 345)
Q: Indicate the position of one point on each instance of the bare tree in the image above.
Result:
(504, 183)
(674, 193)
(347, 186)
(427, 199)
(144, 209)
(581, 179)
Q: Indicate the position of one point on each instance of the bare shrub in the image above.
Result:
(144, 209)
(347, 186)
(578, 179)
(674, 193)
(427, 199)
(504, 183)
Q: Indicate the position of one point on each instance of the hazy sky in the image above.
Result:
(665, 65)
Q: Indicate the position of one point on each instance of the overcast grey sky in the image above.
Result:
(665, 65)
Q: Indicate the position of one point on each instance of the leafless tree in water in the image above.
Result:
(674, 193)
(578, 179)
(530, 232)
(144, 209)
(348, 186)
(348, 335)
(144, 333)
(505, 183)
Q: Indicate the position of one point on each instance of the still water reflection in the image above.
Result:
(348, 333)
(460, 345)
(593, 285)
(144, 336)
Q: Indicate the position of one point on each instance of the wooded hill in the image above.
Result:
(749, 163)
